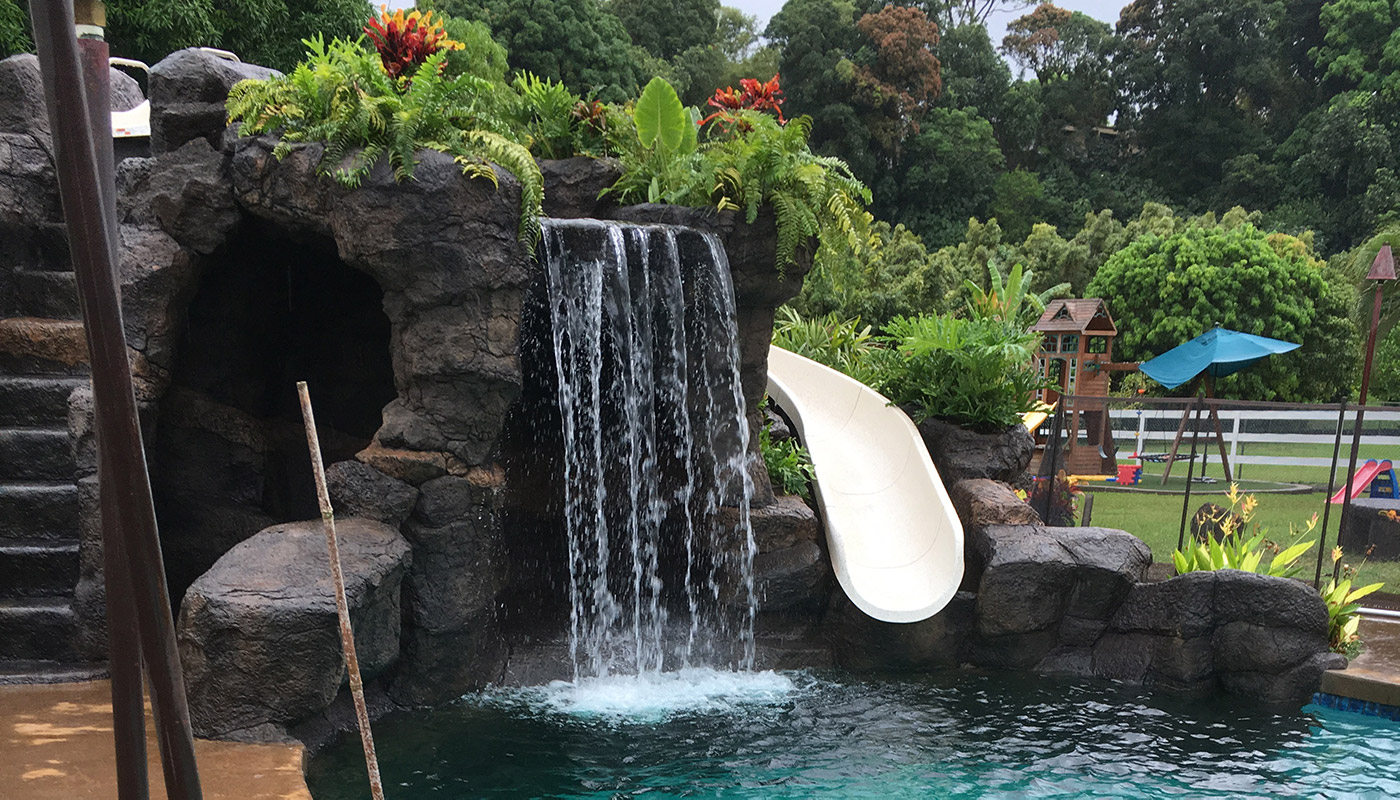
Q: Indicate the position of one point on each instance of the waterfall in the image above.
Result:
(655, 448)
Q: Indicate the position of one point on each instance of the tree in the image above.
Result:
(267, 32)
(736, 34)
(1361, 46)
(956, 13)
(14, 29)
(667, 28)
(1054, 42)
(894, 277)
(1165, 290)
(1204, 82)
(576, 42)
(900, 78)
(947, 174)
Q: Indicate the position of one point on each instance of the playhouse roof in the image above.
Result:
(1085, 315)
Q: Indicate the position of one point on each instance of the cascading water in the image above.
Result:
(655, 446)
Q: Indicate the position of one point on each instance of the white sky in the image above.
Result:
(1106, 10)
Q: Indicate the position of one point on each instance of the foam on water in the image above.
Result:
(652, 697)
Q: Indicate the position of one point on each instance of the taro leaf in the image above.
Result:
(660, 116)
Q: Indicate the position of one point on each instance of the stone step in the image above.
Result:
(38, 569)
(29, 672)
(37, 628)
(36, 454)
(51, 295)
(38, 346)
(36, 399)
(38, 510)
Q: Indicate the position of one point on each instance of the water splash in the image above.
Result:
(655, 447)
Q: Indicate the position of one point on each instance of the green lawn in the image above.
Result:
(1156, 518)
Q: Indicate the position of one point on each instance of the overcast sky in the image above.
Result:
(1106, 10)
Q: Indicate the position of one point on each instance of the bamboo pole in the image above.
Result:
(342, 606)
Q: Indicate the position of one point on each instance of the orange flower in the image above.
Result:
(752, 95)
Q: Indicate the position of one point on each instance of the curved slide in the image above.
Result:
(896, 543)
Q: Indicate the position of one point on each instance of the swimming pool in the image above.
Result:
(828, 734)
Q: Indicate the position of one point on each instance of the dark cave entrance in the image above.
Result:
(230, 454)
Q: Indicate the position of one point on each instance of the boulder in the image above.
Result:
(1253, 635)
(961, 454)
(1211, 522)
(359, 490)
(793, 577)
(1035, 576)
(188, 90)
(22, 108)
(258, 633)
(184, 192)
(786, 522)
(572, 186)
(981, 502)
(126, 92)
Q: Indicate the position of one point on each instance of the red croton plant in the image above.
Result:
(405, 41)
(753, 95)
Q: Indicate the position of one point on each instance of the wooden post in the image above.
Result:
(342, 606)
(1327, 499)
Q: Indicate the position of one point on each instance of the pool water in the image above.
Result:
(826, 734)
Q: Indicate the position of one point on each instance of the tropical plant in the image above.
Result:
(1010, 299)
(659, 151)
(545, 114)
(1243, 544)
(405, 41)
(753, 95)
(1064, 492)
(789, 465)
(978, 373)
(757, 162)
(342, 95)
(1344, 612)
(841, 344)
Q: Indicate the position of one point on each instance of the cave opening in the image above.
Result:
(230, 455)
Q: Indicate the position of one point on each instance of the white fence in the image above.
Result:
(1152, 431)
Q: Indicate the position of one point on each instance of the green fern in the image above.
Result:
(759, 163)
(341, 96)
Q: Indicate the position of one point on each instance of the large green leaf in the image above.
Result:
(660, 116)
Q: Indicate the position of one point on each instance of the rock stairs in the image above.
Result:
(42, 360)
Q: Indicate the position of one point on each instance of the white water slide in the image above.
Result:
(896, 543)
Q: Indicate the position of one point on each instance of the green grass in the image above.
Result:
(1156, 518)
(1313, 476)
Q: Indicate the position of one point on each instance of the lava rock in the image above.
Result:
(185, 192)
(572, 186)
(359, 490)
(1034, 576)
(961, 454)
(126, 92)
(786, 522)
(22, 107)
(793, 577)
(258, 633)
(859, 642)
(188, 91)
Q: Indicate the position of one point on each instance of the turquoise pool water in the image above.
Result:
(830, 735)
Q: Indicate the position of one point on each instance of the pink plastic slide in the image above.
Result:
(1364, 475)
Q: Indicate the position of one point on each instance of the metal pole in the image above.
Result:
(1190, 466)
(91, 234)
(123, 633)
(1052, 453)
(1331, 487)
(1360, 412)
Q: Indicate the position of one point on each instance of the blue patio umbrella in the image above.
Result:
(1216, 353)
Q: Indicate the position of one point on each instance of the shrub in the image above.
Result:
(749, 160)
(342, 95)
(1243, 544)
(979, 373)
(841, 344)
(789, 465)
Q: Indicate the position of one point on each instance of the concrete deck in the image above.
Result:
(1374, 677)
(56, 744)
